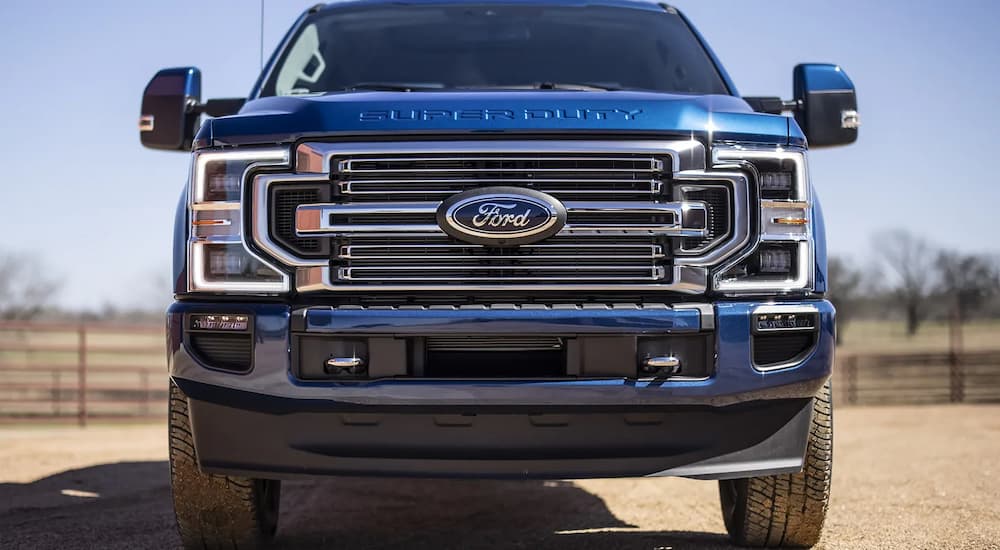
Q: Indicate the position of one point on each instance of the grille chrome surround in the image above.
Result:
(609, 188)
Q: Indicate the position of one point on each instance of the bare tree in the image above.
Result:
(844, 290)
(912, 259)
(25, 289)
(968, 280)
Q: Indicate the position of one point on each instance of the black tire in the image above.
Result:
(215, 511)
(789, 509)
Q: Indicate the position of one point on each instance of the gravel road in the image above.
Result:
(904, 477)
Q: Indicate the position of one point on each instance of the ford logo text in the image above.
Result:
(501, 216)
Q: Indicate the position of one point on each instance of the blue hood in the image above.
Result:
(707, 117)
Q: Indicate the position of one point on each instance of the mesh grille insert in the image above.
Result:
(284, 201)
(775, 349)
(717, 200)
(222, 350)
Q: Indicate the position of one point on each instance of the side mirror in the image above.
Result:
(827, 105)
(169, 114)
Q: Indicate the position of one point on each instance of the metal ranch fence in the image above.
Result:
(914, 378)
(81, 371)
(91, 371)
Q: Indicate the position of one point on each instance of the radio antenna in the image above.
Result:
(262, 35)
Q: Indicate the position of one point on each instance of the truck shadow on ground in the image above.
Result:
(127, 505)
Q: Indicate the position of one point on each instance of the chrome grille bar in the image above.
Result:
(450, 252)
(446, 187)
(459, 275)
(492, 343)
(317, 219)
(500, 163)
(385, 260)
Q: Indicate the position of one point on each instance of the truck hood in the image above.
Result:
(356, 114)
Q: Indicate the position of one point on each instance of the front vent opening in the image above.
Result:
(495, 364)
(772, 350)
(494, 357)
(221, 350)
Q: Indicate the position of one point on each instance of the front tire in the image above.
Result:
(215, 511)
(788, 509)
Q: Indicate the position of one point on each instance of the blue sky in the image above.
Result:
(81, 192)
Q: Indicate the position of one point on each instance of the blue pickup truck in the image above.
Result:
(456, 238)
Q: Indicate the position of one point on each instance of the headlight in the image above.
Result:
(782, 260)
(218, 258)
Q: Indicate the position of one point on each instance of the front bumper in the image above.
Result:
(267, 423)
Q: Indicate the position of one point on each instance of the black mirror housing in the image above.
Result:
(827, 104)
(169, 109)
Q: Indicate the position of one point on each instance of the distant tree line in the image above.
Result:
(29, 290)
(26, 289)
(910, 279)
(914, 280)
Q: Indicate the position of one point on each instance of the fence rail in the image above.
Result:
(947, 377)
(114, 371)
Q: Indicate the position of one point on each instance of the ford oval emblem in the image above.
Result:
(501, 216)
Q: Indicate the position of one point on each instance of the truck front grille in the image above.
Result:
(623, 225)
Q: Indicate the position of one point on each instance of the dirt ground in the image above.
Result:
(904, 477)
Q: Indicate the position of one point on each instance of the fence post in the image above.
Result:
(852, 379)
(56, 393)
(144, 382)
(956, 376)
(81, 376)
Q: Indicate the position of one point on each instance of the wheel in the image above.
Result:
(787, 509)
(215, 511)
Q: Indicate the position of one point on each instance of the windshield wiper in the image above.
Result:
(424, 86)
(572, 86)
(393, 87)
(582, 86)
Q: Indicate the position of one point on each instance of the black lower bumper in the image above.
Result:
(280, 440)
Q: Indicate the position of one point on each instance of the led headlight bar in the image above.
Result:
(218, 258)
(782, 260)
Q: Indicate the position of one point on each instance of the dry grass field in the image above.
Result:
(867, 336)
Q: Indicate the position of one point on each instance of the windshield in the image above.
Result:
(428, 47)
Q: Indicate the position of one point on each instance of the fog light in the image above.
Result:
(226, 323)
(776, 322)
